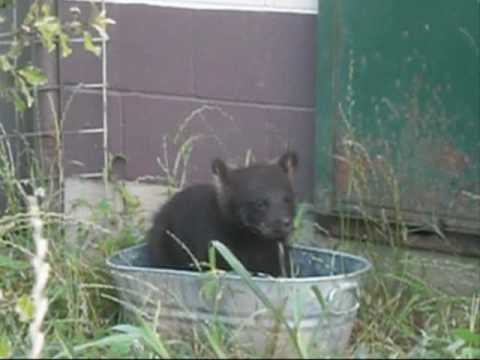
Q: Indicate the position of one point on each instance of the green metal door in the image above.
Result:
(398, 127)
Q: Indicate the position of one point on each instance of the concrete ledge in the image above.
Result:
(89, 192)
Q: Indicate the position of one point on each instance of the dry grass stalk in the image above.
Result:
(41, 270)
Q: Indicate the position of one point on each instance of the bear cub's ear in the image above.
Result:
(220, 170)
(289, 162)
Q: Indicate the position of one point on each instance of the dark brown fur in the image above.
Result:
(249, 209)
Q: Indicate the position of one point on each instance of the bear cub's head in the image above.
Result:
(258, 198)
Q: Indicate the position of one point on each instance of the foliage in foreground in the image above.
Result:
(400, 316)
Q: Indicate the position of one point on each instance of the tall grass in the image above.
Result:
(401, 315)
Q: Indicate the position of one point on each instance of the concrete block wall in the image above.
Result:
(254, 70)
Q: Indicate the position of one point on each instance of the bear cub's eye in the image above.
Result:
(288, 199)
(260, 204)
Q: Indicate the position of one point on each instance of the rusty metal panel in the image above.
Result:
(398, 128)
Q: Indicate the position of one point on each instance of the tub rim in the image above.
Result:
(232, 275)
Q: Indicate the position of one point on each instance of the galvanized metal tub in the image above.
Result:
(181, 302)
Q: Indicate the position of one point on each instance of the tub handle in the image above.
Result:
(350, 287)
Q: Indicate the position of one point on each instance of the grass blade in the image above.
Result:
(247, 278)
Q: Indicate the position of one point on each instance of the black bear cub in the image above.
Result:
(249, 209)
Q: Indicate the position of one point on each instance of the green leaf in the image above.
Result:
(215, 340)
(20, 105)
(110, 340)
(24, 308)
(101, 31)
(120, 349)
(210, 287)
(23, 88)
(5, 64)
(49, 27)
(131, 201)
(212, 259)
(67, 347)
(470, 353)
(5, 348)
(236, 265)
(45, 9)
(100, 22)
(147, 335)
(17, 47)
(244, 274)
(6, 262)
(468, 336)
(319, 296)
(32, 14)
(104, 206)
(64, 45)
(34, 76)
(88, 44)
